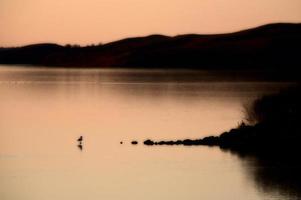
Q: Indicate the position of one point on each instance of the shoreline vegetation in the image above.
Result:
(270, 142)
(272, 46)
(272, 127)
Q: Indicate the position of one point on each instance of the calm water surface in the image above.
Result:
(43, 111)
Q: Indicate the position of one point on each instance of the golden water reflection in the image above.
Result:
(43, 112)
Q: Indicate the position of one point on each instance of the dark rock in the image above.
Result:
(148, 142)
(134, 142)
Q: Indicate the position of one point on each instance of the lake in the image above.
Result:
(43, 111)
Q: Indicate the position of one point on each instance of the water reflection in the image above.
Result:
(39, 105)
(144, 83)
(80, 146)
(277, 173)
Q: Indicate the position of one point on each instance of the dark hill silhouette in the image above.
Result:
(273, 46)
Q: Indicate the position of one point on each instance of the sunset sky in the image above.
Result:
(93, 21)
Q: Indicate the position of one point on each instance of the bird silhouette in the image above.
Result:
(80, 139)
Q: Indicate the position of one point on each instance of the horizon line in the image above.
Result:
(154, 34)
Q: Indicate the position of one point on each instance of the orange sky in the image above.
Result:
(94, 21)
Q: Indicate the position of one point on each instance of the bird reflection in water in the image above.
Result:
(80, 146)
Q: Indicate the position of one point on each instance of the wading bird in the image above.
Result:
(80, 139)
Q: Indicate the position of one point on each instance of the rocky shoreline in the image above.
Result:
(276, 128)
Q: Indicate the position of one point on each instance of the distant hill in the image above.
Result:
(273, 46)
